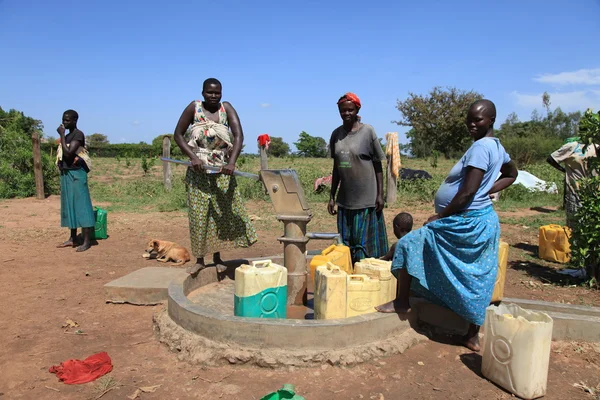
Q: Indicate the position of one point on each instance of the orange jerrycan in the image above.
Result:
(554, 243)
(337, 254)
(502, 265)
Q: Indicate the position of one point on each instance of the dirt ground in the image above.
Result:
(42, 286)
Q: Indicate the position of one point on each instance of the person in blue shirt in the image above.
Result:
(454, 257)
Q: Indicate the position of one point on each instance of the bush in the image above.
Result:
(585, 243)
(529, 149)
(16, 158)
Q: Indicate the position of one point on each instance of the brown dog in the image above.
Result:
(167, 251)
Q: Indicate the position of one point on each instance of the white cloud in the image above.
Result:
(136, 123)
(580, 77)
(123, 140)
(567, 101)
(265, 105)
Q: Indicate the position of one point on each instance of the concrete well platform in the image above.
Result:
(200, 326)
(146, 286)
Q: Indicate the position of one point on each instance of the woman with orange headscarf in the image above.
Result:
(357, 170)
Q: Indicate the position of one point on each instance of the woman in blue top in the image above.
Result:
(454, 257)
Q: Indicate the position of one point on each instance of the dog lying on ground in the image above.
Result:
(167, 251)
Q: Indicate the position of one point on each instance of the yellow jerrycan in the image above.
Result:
(337, 254)
(382, 270)
(330, 292)
(554, 243)
(363, 295)
(260, 290)
(516, 349)
(502, 265)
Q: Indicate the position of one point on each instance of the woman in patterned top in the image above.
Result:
(218, 218)
(454, 257)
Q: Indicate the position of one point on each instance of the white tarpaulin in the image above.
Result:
(534, 184)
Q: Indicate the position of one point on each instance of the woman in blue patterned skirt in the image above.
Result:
(454, 257)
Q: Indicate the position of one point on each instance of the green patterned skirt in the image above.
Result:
(218, 218)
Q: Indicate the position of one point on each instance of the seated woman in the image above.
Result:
(454, 257)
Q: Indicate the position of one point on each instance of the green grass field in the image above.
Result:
(123, 186)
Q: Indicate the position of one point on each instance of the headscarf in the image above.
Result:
(350, 97)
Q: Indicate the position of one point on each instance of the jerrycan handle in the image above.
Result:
(329, 250)
(261, 263)
(333, 268)
(358, 278)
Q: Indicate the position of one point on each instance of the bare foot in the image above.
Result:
(393, 307)
(471, 343)
(68, 243)
(194, 269)
(221, 268)
(83, 247)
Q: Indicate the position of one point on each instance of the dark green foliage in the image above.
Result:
(16, 157)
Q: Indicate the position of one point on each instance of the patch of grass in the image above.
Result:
(535, 220)
(104, 385)
(142, 194)
(126, 188)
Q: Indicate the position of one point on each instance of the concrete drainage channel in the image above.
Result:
(207, 333)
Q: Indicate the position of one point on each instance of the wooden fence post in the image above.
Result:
(264, 164)
(262, 148)
(37, 166)
(167, 165)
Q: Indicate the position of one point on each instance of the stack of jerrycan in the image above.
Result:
(502, 264)
(340, 295)
(554, 243)
(381, 270)
(260, 290)
(337, 254)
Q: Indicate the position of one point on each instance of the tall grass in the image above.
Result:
(128, 188)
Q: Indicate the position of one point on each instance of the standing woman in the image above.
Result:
(218, 218)
(357, 169)
(74, 164)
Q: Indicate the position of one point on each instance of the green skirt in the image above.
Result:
(75, 203)
(218, 218)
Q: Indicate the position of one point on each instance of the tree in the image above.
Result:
(96, 140)
(437, 120)
(16, 157)
(311, 146)
(157, 143)
(585, 242)
(561, 124)
(278, 148)
(546, 102)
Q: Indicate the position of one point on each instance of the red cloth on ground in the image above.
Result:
(264, 140)
(73, 372)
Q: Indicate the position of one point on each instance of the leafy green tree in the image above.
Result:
(96, 140)
(157, 143)
(278, 148)
(311, 146)
(16, 157)
(437, 120)
(585, 242)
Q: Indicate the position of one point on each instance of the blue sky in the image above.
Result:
(130, 67)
